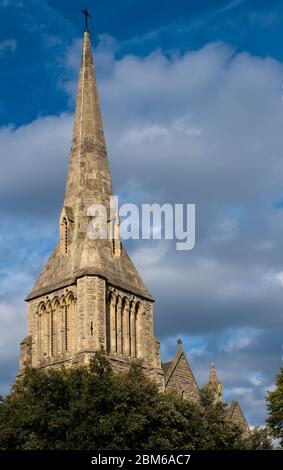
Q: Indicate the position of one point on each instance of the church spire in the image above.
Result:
(88, 185)
(89, 179)
(214, 385)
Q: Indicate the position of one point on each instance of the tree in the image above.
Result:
(93, 408)
(260, 439)
(275, 408)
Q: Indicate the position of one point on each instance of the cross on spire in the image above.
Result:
(87, 16)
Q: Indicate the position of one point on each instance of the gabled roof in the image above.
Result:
(165, 366)
(184, 381)
(236, 415)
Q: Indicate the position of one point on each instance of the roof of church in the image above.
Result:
(88, 182)
(165, 366)
(170, 367)
(236, 415)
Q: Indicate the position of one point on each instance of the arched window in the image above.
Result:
(66, 328)
(121, 339)
(139, 352)
(111, 324)
(119, 326)
(132, 330)
(52, 333)
(40, 332)
(68, 314)
(64, 235)
(55, 328)
(126, 327)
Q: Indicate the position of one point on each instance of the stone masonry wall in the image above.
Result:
(182, 381)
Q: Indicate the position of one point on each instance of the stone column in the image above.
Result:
(113, 324)
(45, 333)
(51, 333)
(70, 310)
(65, 329)
(126, 328)
(56, 318)
(119, 325)
(139, 330)
(133, 330)
(60, 330)
(39, 336)
(74, 326)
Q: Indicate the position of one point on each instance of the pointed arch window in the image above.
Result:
(55, 328)
(40, 333)
(52, 332)
(68, 319)
(66, 328)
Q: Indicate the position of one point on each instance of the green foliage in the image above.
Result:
(93, 408)
(260, 439)
(275, 408)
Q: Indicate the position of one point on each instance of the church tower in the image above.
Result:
(89, 296)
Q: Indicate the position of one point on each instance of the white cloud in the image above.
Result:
(226, 229)
(269, 388)
(197, 351)
(149, 256)
(256, 380)
(33, 175)
(235, 345)
(279, 277)
(240, 391)
(239, 339)
(12, 324)
(150, 133)
(231, 5)
(137, 136)
(7, 45)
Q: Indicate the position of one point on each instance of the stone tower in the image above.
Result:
(89, 296)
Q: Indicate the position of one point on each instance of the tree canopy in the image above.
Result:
(93, 408)
(275, 408)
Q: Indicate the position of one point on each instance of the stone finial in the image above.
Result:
(179, 342)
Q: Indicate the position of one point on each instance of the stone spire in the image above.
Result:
(214, 385)
(213, 379)
(89, 177)
(88, 183)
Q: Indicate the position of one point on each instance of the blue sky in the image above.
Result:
(43, 30)
(191, 93)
